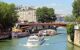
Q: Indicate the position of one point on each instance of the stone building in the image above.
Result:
(60, 18)
(26, 14)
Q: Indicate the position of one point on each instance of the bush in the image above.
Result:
(70, 31)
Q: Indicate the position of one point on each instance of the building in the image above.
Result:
(26, 14)
(29, 14)
(60, 18)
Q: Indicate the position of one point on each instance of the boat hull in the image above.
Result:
(38, 43)
(35, 40)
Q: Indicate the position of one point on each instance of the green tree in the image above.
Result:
(78, 20)
(45, 14)
(76, 8)
(70, 31)
(8, 15)
(70, 18)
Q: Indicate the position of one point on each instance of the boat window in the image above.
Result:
(33, 38)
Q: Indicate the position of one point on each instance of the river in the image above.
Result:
(57, 42)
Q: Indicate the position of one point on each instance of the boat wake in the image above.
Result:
(45, 45)
(30, 46)
(46, 39)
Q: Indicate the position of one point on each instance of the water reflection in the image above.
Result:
(72, 47)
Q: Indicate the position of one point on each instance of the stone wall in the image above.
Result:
(68, 38)
(77, 37)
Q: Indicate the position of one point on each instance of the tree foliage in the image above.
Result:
(70, 31)
(70, 18)
(78, 20)
(76, 8)
(8, 15)
(45, 14)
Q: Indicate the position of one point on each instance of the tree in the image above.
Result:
(78, 20)
(76, 8)
(70, 18)
(70, 31)
(8, 15)
(45, 14)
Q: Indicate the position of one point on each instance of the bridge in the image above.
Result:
(39, 26)
(44, 24)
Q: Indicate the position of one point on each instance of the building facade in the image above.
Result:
(60, 18)
(29, 14)
(26, 14)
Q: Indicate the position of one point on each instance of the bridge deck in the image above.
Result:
(44, 24)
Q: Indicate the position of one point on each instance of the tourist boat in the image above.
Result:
(34, 40)
(47, 32)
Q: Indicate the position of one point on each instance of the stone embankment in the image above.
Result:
(76, 36)
(4, 35)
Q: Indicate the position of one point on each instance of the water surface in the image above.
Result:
(57, 42)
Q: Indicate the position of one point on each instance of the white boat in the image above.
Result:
(34, 40)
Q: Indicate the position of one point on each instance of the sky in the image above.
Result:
(63, 7)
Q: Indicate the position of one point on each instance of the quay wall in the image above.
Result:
(76, 37)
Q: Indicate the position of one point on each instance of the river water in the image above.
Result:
(57, 42)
